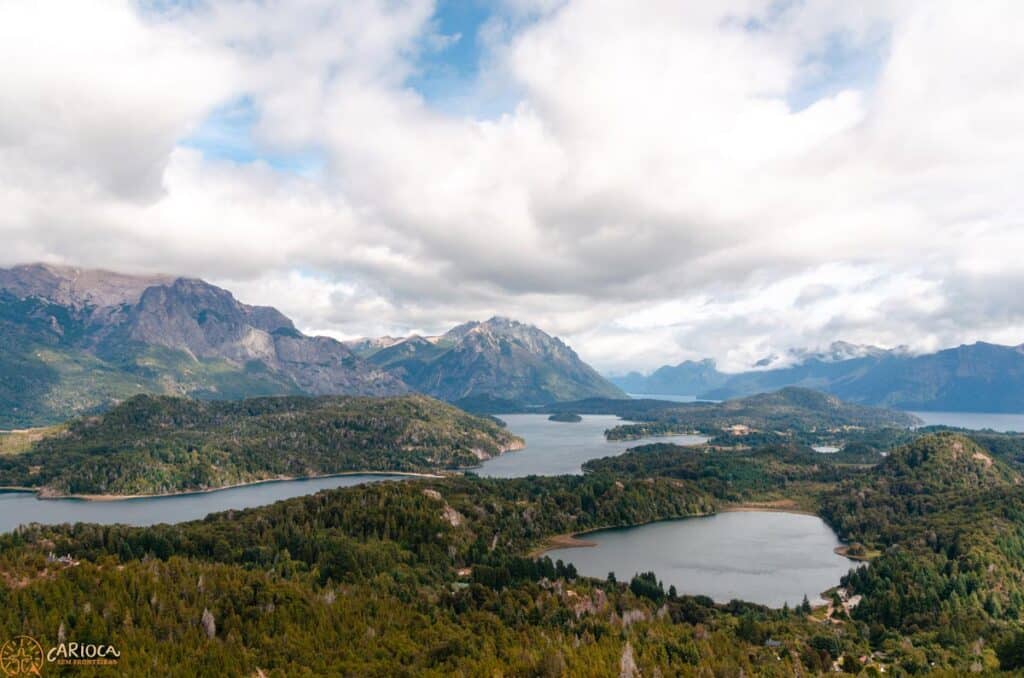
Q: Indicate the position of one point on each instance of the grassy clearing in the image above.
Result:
(18, 441)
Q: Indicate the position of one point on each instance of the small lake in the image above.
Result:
(17, 508)
(974, 420)
(558, 448)
(763, 557)
(663, 396)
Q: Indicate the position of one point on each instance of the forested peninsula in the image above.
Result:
(158, 444)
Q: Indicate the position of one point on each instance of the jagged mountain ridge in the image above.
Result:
(979, 377)
(78, 340)
(499, 358)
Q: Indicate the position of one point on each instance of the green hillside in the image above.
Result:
(152, 445)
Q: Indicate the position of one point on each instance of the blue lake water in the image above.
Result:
(552, 448)
(974, 420)
(764, 557)
(560, 448)
(17, 508)
(662, 396)
(770, 558)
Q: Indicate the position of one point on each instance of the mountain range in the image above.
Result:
(75, 341)
(496, 358)
(979, 377)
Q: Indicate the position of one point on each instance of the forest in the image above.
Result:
(161, 444)
(443, 577)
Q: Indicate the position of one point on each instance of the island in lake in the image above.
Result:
(566, 417)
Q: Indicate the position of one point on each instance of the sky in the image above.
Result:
(652, 182)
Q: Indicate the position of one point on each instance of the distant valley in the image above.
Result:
(979, 377)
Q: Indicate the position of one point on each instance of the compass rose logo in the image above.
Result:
(22, 656)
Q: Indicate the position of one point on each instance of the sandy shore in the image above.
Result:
(844, 551)
(780, 506)
(560, 541)
(122, 497)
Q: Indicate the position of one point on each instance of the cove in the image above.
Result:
(19, 508)
(762, 557)
(558, 448)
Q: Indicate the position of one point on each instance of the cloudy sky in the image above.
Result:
(652, 181)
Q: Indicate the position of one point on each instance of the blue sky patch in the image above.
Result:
(227, 134)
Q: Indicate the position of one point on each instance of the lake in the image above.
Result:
(558, 448)
(974, 420)
(17, 508)
(763, 557)
(662, 396)
(552, 448)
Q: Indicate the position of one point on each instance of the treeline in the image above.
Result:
(762, 474)
(802, 415)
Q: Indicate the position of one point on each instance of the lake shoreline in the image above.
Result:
(570, 540)
(768, 507)
(41, 494)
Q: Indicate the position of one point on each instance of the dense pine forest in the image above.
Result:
(439, 576)
(159, 444)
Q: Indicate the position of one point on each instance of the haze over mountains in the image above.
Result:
(980, 377)
(75, 341)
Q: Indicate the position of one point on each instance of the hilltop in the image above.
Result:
(945, 462)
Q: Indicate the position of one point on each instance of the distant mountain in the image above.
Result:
(980, 377)
(686, 378)
(499, 358)
(75, 341)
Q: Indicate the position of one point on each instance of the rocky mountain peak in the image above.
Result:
(77, 287)
(498, 357)
(156, 334)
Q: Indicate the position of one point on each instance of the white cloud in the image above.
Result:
(654, 194)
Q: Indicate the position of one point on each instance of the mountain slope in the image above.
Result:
(979, 377)
(687, 378)
(75, 341)
(500, 358)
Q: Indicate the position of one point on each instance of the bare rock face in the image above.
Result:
(627, 664)
(154, 334)
(208, 623)
(500, 358)
(76, 287)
